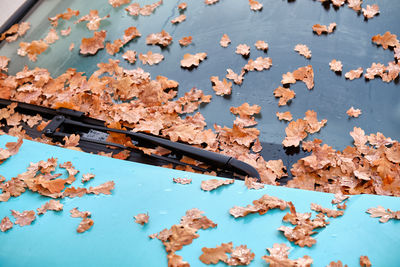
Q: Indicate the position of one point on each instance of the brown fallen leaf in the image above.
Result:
(354, 74)
(287, 116)
(260, 64)
(65, 16)
(261, 45)
(65, 32)
(32, 49)
(279, 256)
(135, 9)
(3, 63)
(178, 19)
(225, 41)
(336, 264)
(85, 225)
(354, 4)
(190, 60)
(151, 58)
(336, 65)
(237, 79)
(209, 185)
(162, 38)
(176, 261)
(90, 46)
(182, 180)
(295, 133)
(6, 224)
(210, 2)
(320, 29)
(71, 46)
(328, 212)
(261, 206)
(386, 40)
(352, 112)
(384, 214)
(93, 20)
(185, 41)
(221, 87)
(72, 140)
(370, 11)
(51, 205)
(214, 255)
(339, 197)
(75, 213)
(130, 56)
(51, 37)
(303, 50)
(241, 255)
(24, 218)
(365, 262)
(102, 189)
(182, 6)
(117, 3)
(87, 177)
(337, 3)
(284, 94)
(12, 149)
(15, 31)
(306, 75)
(142, 218)
(255, 5)
(243, 50)
(252, 183)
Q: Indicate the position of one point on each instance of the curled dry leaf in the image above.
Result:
(3, 63)
(320, 29)
(284, 94)
(252, 183)
(135, 9)
(90, 46)
(182, 6)
(182, 180)
(352, 112)
(221, 87)
(210, 2)
(370, 11)
(295, 133)
(386, 40)
(12, 149)
(241, 255)
(102, 189)
(87, 177)
(261, 206)
(176, 261)
(151, 58)
(237, 79)
(15, 31)
(214, 255)
(336, 65)
(209, 185)
(75, 213)
(328, 212)
(336, 264)
(162, 38)
(93, 20)
(185, 41)
(354, 74)
(6, 224)
(279, 256)
(85, 225)
(339, 197)
(178, 19)
(259, 64)
(65, 16)
(52, 36)
(304, 74)
(255, 5)
(32, 49)
(190, 60)
(142, 218)
(384, 214)
(303, 50)
(261, 45)
(365, 262)
(24, 218)
(225, 41)
(130, 56)
(287, 116)
(243, 50)
(117, 3)
(71, 140)
(354, 4)
(51, 205)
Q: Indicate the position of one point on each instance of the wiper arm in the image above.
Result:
(63, 117)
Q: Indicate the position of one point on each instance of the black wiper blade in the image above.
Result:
(71, 119)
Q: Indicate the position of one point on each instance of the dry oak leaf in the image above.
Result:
(376, 69)
(135, 9)
(252, 183)
(178, 19)
(354, 74)
(75, 213)
(51, 37)
(87, 177)
(12, 149)
(185, 41)
(142, 218)
(352, 112)
(176, 260)
(51, 205)
(386, 40)
(32, 49)
(182, 6)
(93, 20)
(85, 225)
(306, 75)
(241, 255)
(130, 56)
(3, 63)
(237, 79)
(336, 65)
(384, 214)
(74, 192)
(336, 264)
(393, 153)
(284, 94)
(328, 212)
(102, 189)
(210, 2)
(71, 140)
(261, 45)
(259, 64)
(245, 110)
(287, 116)
(117, 3)
(65, 32)
(190, 60)
(90, 46)
(320, 29)
(397, 53)
(370, 11)
(354, 4)
(295, 133)
(162, 38)
(339, 197)
(261, 206)
(24, 218)
(313, 124)
(6, 224)
(151, 58)
(65, 16)
(303, 50)
(243, 50)
(209, 185)
(255, 5)
(221, 87)
(365, 262)
(15, 31)
(279, 256)
(182, 180)
(225, 41)
(214, 255)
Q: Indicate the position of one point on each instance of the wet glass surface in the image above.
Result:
(282, 24)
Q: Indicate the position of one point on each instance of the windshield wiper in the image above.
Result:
(64, 122)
